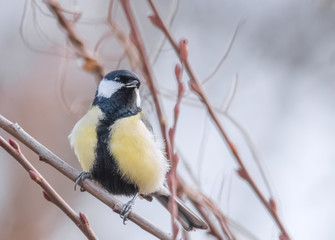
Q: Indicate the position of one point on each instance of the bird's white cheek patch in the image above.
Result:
(138, 98)
(108, 87)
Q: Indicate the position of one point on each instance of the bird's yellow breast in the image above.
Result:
(139, 156)
(83, 138)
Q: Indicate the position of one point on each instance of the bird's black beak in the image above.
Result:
(133, 84)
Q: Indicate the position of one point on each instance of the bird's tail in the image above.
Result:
(188, 219)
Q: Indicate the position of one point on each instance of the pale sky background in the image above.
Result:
(284, 56)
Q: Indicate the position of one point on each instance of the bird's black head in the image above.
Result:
(124, 77)
(118, 93)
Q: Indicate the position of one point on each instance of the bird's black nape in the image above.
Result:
(122, 76)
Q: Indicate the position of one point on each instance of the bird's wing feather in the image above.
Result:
(187, 218)
(146, 122)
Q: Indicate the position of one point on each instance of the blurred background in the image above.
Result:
(283, 57)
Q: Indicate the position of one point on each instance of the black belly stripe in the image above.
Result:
(105, 169)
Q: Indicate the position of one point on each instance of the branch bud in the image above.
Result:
(183, 50)
(155, 21)
(84, 219)
(14, 144)
(242, 173)
(34, 176)
(177, 71)
(46, 196)
(283, 237)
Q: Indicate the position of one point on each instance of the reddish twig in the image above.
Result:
(128, 46)
(135, 33)
(195, 87)
(172, 175)
(48, 192)
(90, 63)
(202, 202)
(225, 56)
(50, 158)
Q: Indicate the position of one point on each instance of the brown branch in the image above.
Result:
(129, 48)
(50, 158)
(49, 193)
(225, 56)
(195, 87)
(202, 202)
(136, 36)
(90, 62)
(172, 175)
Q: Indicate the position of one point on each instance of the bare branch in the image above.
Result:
(196, 88)
(90, 62)
(50, 158)
(231, 94)
(147, 69)
(129, 47)
(171, 176)
(170, 19)
(49, 193)
(237, 29)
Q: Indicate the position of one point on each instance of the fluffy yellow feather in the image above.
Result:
(138, 154)
(83, 138)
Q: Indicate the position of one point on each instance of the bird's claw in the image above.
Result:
(81, 177)
(125, 211)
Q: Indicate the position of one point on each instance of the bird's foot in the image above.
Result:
(80, 179)
(126, 209)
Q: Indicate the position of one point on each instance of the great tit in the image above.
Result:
(115, 145)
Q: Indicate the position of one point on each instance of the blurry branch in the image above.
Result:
(128, 46)
(225, 55)
(138, 41)
(203, 203)
(90, 62)
(241, 229)
(198, 202)
(49, 193)
(231, 93)
(196, 88)
(27, 5)
(201, 152)
(224, 111)
(169, 21)
(188, 168)
(50, 158)
(172, 174)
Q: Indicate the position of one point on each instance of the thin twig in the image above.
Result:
(49, 193)
(129, 47)
(135, 33)
(231, 93)
(195, 87)
(90, 62)
(171, 16)
(237, 29)
(202, 202)
(171, 176)
(50, 158)
(188, 167)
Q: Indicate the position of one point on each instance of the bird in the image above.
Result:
(116, 147)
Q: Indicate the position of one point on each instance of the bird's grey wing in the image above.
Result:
(187, 218)
(146, 122)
